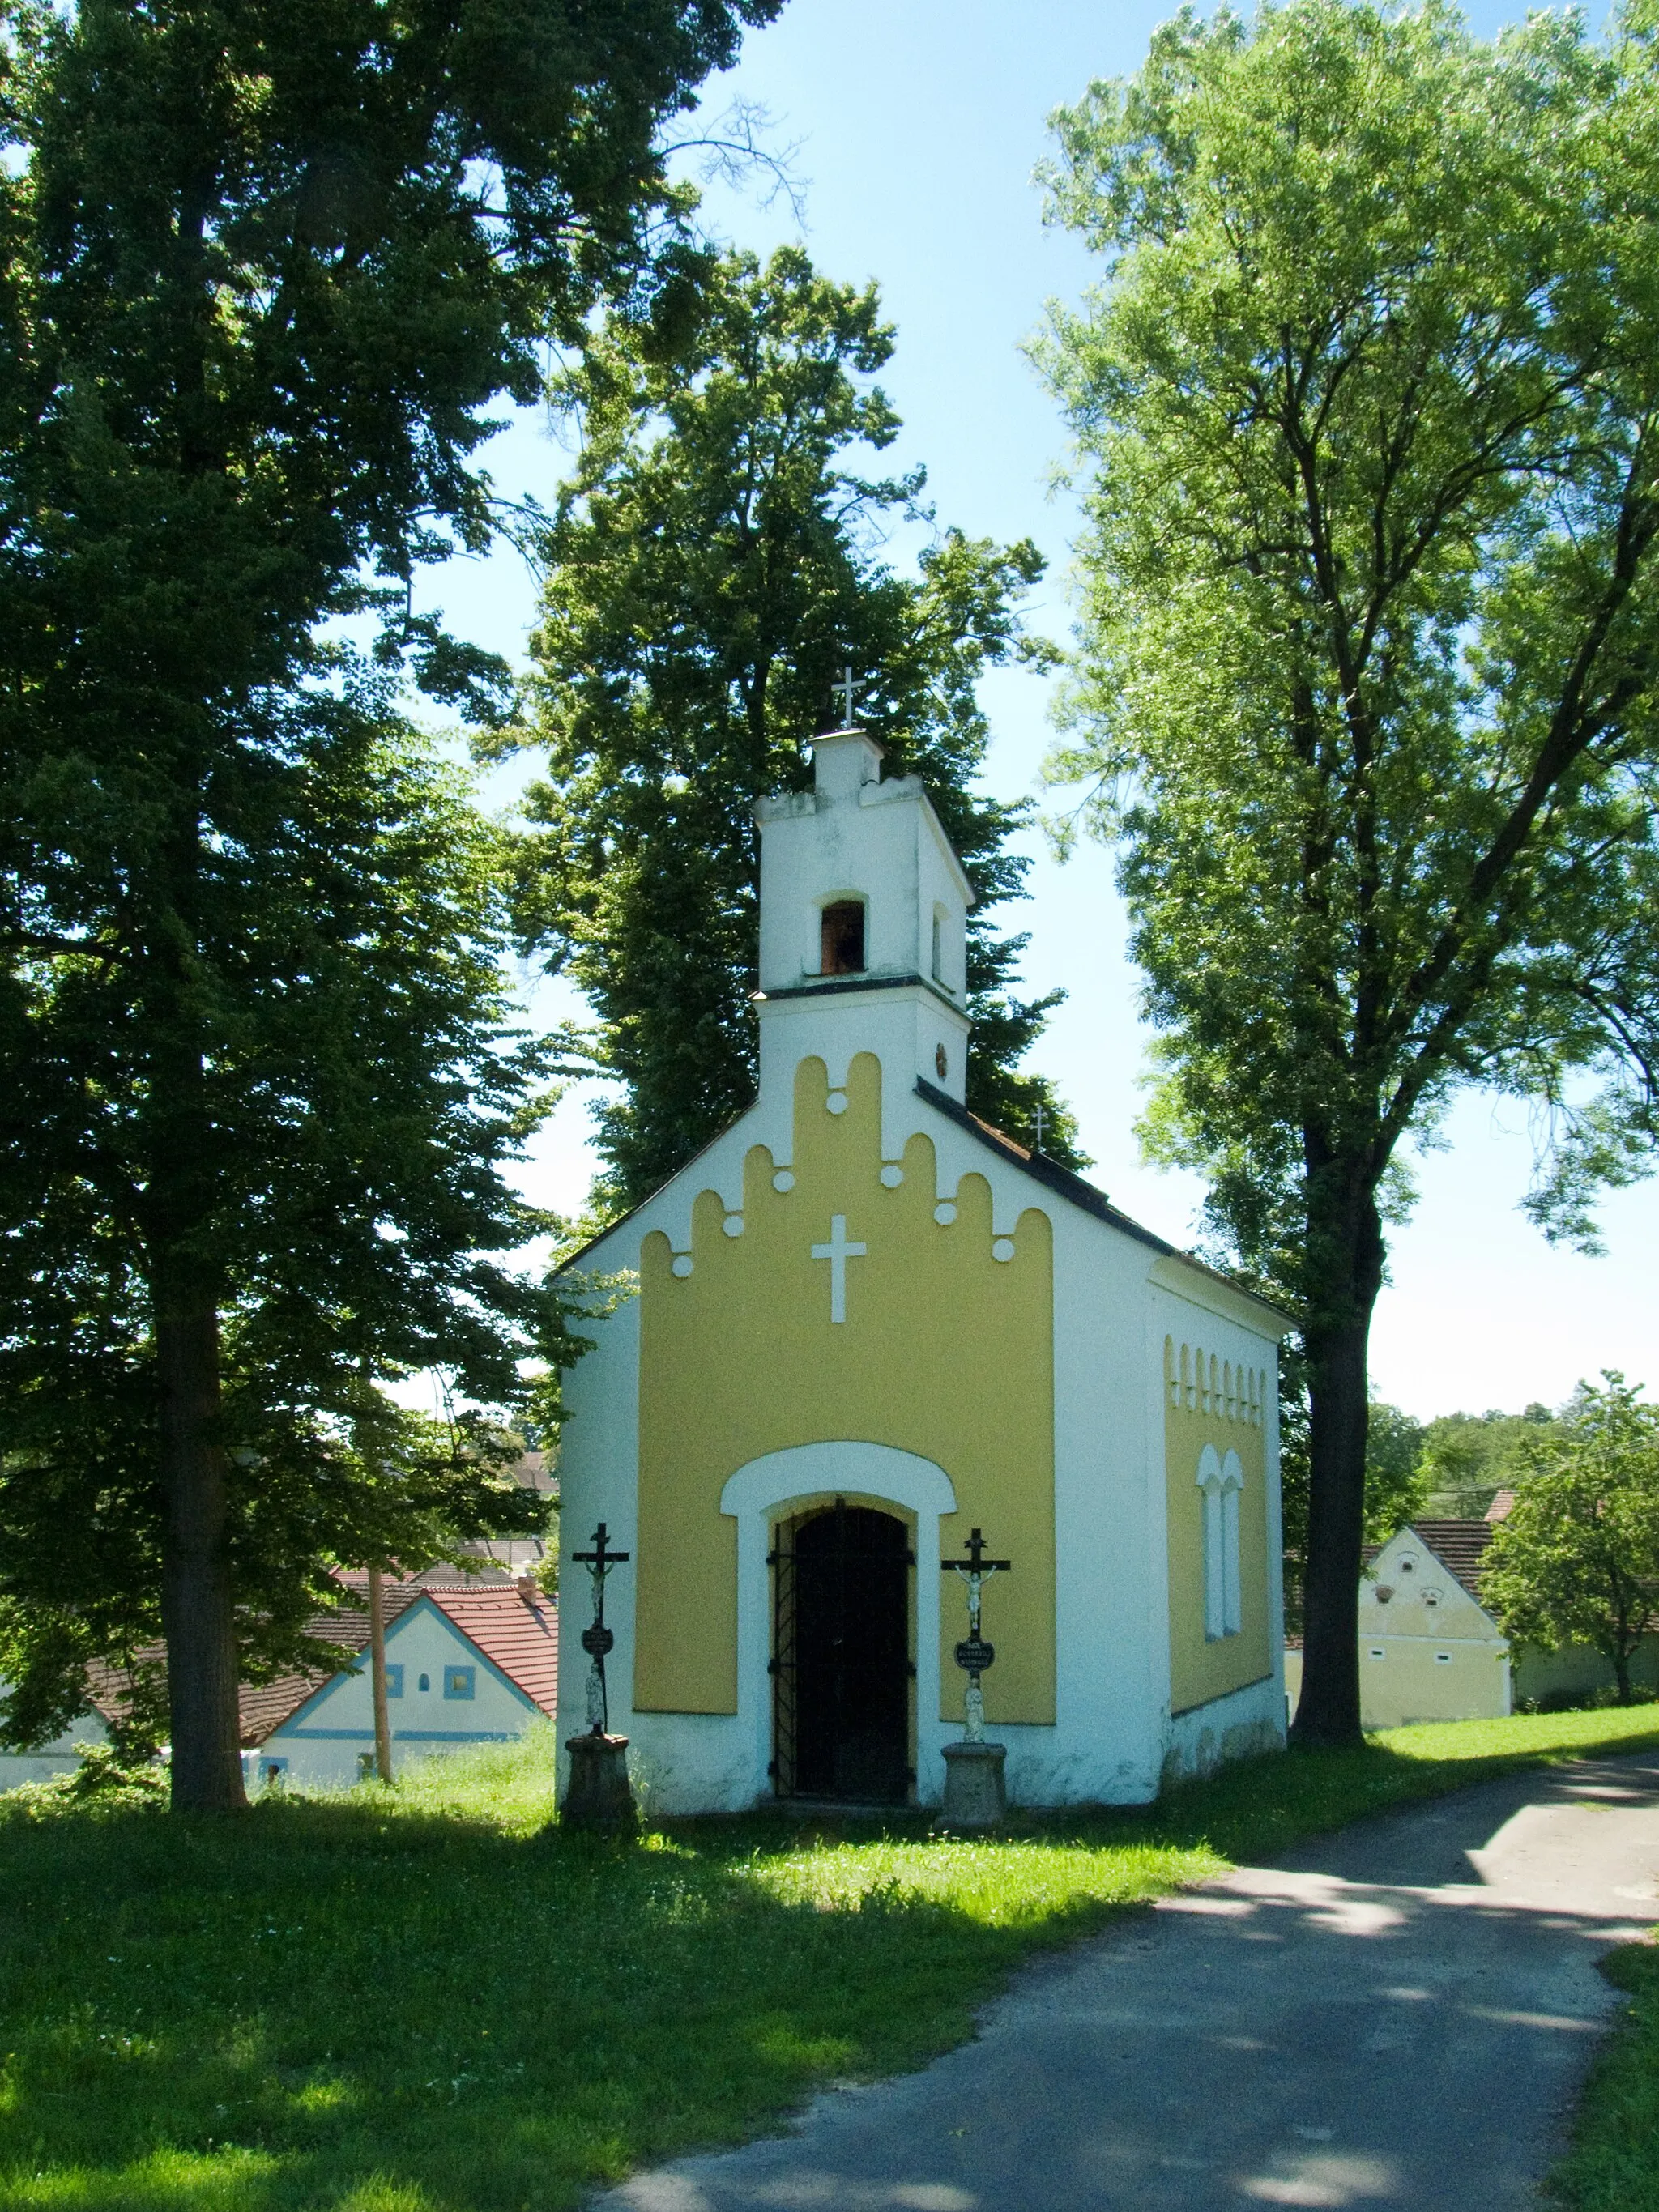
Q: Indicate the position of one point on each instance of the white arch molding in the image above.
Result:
(1221, 1479)
(803, 1475)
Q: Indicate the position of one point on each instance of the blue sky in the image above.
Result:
(920, 123)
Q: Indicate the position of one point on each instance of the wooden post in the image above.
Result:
(377, 1676)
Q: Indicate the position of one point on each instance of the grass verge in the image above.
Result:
(1613, 2164)
(433, 2001)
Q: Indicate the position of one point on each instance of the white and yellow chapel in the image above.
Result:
(861, 1325)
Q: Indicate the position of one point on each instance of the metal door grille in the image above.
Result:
(837, 1566)
(781, 1561)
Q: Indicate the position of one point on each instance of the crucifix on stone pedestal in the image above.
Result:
(600, 1794)
(975, 1654)
(597, 1638)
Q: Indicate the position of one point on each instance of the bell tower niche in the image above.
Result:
(864, 925)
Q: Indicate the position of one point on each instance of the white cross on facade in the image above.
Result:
(1041, 1118)
(843, 691)
(838, 1252)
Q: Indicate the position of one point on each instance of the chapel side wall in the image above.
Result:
(1107, 1747)
(1218, 1390)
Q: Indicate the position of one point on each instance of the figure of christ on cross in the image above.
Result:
(838, 1252)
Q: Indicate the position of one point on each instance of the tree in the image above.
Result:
(1577, 1559)
(1467, 1458)
(1396, 1488)
(262, 269)
(712, 564)
(361, 1092)
(1366, 688)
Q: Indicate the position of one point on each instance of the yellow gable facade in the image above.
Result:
(860, 1326)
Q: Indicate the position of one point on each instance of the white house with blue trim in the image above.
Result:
(464, 1666)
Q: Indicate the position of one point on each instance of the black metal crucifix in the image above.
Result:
(975, 1654)
(598, 1639)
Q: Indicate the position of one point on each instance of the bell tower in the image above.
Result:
(864, 925)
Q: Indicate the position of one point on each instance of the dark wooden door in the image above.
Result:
(841, 1659)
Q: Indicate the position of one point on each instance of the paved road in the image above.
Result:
(1398, 2016)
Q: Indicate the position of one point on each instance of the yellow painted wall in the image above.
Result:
(1409, 1683)
(945, 1352)
(1207, 1400)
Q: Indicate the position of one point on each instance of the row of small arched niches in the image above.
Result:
(1201, 1382)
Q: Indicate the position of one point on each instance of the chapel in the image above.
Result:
(862, 1324)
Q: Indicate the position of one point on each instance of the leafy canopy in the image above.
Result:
(365, 1092)
(1576, 1561)
(1370, 641)
(713, 560)
(263, 268)
(1364, 409)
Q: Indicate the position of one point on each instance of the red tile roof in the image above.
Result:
(518, 1633)
(1458, 1546)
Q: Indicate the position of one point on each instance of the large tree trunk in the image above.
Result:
(1345, 1251)
(197, 1616)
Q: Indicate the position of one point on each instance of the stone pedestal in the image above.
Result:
(600, 1794)
(975, 1795)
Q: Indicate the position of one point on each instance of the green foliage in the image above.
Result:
(1613, 2164)
(713, 560)
(1467, 1458)
(1396, 1485)
(428, 1998)
(263, 269)
(365, 1092)
(1577, 1559)
(1365, 405)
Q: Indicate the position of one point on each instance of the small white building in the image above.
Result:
(464, 1665)
(1429, 1650)
(864, 1324)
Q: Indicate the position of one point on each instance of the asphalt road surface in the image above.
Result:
(1400, 2015)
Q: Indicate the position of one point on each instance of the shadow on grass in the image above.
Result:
(366, 2005)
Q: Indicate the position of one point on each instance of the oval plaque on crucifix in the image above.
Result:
(599, 1641)
(975, 1654)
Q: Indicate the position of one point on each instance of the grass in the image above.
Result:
(1613, 2165)
(433, 2001)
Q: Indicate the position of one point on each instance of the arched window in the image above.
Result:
(842, 939)
(1220, 1482)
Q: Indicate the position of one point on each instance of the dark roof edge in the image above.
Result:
(1048, 1172)
(834, 986)
(1082, 1194)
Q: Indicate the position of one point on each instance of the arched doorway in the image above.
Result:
(841, 1663)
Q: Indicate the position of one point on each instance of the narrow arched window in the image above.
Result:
(842, 938)
(1219, 1482)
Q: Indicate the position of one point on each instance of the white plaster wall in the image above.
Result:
(1105, 1746)
(49, 1760)
(880, 842)
(1112, 1738)
(324, 1741)
(1238, 1726)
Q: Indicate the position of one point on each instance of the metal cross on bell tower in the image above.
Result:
(598, 1639)
(843, 691)
(975, 1654)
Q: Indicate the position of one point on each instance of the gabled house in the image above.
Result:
(471, 1661)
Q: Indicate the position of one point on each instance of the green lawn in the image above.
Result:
(432, 2001)
(1613, 2165)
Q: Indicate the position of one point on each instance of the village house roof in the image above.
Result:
(1458, 1545)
